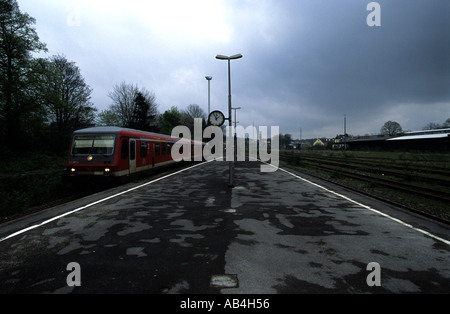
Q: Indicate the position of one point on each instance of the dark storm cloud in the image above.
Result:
(306, 63)
(328, 57)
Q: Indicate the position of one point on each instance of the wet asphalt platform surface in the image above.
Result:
(273, 233)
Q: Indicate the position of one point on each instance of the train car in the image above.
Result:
(117, 152)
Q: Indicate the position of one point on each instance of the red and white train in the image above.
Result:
(118, 152)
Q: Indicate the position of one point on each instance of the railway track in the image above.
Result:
(415, 187)
(405, 169)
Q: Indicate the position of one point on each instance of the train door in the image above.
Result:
(132, 156)
(152, 150)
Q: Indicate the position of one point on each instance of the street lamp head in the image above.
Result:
(222, 57)
(209, 78)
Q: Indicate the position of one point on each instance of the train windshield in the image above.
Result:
(84, 145)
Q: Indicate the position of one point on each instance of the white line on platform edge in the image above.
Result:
(368, 207)
(178, 172)
(94, 203)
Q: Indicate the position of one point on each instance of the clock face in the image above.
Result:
(216, 118)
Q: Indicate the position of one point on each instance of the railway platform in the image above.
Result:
(188, 232)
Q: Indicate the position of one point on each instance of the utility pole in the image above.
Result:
(345, 133)
(300, 141)
(209, 78)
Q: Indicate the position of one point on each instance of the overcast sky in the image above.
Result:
(306, 64)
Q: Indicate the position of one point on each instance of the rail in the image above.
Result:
(411, 181)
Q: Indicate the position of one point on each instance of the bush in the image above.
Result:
(29, 182)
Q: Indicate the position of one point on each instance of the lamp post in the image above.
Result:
(235, 118)
(235, 134)
(222, 57)
(209, 78)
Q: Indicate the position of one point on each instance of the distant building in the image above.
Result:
(437, 140)
(318, 143)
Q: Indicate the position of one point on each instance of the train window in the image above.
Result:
(143, 149)
(124, 150)
(157, 149)
(164, 147)
(93, 145)
(132, 150)
(169, 148)
(84, 145)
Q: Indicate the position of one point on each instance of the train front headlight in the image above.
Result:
(107, 170)
(72, 170)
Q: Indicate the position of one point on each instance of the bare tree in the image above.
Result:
(191, 113)
(123, 96)
(134, 107)
(195, 111)
(434, 126)
(391, 128)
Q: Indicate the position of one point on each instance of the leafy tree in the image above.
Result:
(447, 123)
(107, 118)
(145, 113)
(169, 120)
(391, 128)
(71, 107)
(18, 41)
(66, 97)
(285, 140)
